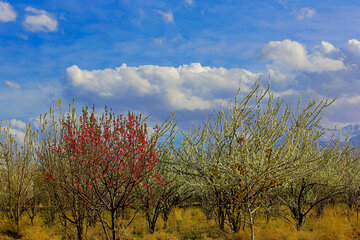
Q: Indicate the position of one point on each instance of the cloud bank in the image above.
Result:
(187, 87)
(192, 89)
(294, 71)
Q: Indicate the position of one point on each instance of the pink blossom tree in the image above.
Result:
(104, 159)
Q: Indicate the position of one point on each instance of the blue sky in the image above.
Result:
(187, 56)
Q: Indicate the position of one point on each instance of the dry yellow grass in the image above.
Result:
(183, 224)
(334, 224)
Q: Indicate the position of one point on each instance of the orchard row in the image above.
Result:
(258, 155)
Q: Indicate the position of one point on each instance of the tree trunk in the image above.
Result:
(65, 226)
(17, 224)
(252, 231)
(234, 220)
(151, 225)
(320, 209)
(221, 218)
(79, 229)
(165, 217)
(299, 222)
(251, 223)
(152, 219)
(267, 217)
(113, 232)
(32, 213)
(32, 220)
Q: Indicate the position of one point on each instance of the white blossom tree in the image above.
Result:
(17, 165)
(256, 146)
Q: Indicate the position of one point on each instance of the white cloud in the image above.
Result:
(277, 75)
(190, 2)
(326, 70)
(189, 87)
(182, 100)
(353, 99)
(39, 21)
(353, 46)
(18, 124)
(105, 81)
(326, 48)
(7, 13)
(18, 134)
(17, 130)
(305, 13)
(287, 56)
(288, 92)
(13, 84)
(168, 17)
(35, 121)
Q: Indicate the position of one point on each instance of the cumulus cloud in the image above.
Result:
(17, 130)
(168, 17)
(353, 46)
(187, 87)
(18, 124)
(7, 13)
(184, 100)
(324, 70)
(277, 75)
(287, 56)
(13, 84)
(305, 13)
(326, 48)
(39, 21)
(18, 134)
